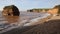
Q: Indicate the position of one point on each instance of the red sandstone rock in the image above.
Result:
(11, 10)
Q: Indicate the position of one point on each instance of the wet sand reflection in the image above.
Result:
(12, 19)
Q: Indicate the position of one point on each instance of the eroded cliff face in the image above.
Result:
(11, 10)
(53, 11)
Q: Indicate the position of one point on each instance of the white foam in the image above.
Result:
(35, 21)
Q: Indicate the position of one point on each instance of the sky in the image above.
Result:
(29, 4)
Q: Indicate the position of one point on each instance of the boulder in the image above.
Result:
(11, 10)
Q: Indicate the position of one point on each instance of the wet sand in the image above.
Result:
(48, 27)
(51, 26)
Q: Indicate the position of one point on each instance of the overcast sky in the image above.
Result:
(29, 4)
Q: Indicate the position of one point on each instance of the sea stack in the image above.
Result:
(11, 10)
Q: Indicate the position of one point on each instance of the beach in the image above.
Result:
(33, 25)
(50, 27)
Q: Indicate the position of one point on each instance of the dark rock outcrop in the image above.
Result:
(11, 10)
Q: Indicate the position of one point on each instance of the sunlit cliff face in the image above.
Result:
(7, 12)
(53, 11)
(10, 12)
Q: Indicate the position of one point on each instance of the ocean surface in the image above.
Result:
(9, 22)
